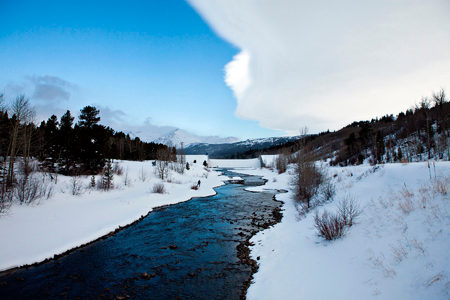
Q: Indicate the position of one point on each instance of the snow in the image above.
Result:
(269, 160)
(33, 233)
(389, 253)
(177, 136)
(235, 163)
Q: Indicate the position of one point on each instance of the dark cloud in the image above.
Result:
(51, 88)
(43, 88)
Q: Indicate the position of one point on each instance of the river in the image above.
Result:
(191, 250)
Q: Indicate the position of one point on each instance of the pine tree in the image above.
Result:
(89, 117)
(92, 181)
(108, 175)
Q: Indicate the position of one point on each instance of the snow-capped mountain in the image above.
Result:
(229, 149)
(176, 136)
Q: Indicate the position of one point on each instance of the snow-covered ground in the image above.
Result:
(235, 163)
(398, 249)
(32, 233)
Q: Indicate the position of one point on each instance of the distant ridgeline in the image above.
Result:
(414, 135)
(66, 148)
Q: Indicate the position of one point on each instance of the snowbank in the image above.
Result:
(34, 233)
(235, 163)
(399, 248)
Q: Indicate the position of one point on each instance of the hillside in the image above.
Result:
(414, 135)
(177, 136)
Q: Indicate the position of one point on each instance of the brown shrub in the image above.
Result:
(159, 188)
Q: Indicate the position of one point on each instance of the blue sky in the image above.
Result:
(145, 64)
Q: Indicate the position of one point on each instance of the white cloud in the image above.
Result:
(237, 75)
(325, 64)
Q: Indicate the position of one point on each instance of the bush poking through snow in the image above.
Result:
(440, 186)
(142, 175)
(329, 226)
(348, 210)
(332, 226)
(76, 185)
(28, 189)
(117, 169)
(327, 190)
(307, 181)
(159, 188)
(194, 186)
(126, 179)
(281, 163)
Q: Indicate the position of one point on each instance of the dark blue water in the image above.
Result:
(183, 251)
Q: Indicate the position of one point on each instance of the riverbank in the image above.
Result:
(197, 249)
(36, 232)
(392, 252)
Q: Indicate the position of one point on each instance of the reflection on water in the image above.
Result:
(184, 251)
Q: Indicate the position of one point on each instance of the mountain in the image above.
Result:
(242, 149)
(176, 136)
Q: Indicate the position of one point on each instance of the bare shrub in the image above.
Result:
(307, 181)
(194, 186)
(327, 190)
(177, 167)
(163, 157)
(142, 175)
(159, 188)
(440, 186)
(27, 167)
(388, 271)
(29, 189)
(348, 210)
(329, 226)
(281, 163)
(406, 203)
(76, 185)
(126, 179)
(117, 169)
(418, 245)
(399, 252)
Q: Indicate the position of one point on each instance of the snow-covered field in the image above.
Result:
(33, 233)
(398, 249)
(235, 163)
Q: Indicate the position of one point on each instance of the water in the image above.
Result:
(183, 251)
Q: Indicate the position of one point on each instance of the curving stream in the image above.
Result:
(191, 250)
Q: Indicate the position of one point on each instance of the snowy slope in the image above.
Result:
(175, 137)
(390, 253)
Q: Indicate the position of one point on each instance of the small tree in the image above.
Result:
(108, 175)
(92, 183)
(163, 157)
(187, 166)
(307, 181)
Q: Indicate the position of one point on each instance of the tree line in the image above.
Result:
(419, 133)
(60, 145)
